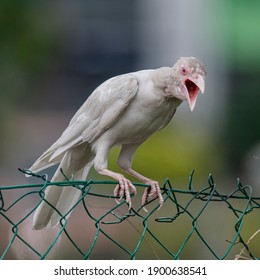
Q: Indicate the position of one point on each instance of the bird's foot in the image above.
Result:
(123, 190)
(152, 192)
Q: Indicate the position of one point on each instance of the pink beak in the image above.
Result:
(192, 87)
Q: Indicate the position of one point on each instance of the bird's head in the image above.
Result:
(189, 75)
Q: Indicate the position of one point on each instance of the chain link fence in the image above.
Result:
(191, 224)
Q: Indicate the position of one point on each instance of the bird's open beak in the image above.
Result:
(192, 87)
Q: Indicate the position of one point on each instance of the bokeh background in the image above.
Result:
(53, 54)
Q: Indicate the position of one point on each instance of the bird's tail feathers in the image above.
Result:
(60, 201)
(77, 163)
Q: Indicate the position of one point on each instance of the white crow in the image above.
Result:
(124, 110)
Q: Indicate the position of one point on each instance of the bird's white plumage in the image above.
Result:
(124, 110)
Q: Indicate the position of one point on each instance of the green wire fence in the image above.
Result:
(111, 230)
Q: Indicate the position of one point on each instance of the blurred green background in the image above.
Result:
(53, 54)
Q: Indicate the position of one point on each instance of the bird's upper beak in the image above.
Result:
(192, 86)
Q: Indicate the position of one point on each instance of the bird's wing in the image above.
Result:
(100, 111)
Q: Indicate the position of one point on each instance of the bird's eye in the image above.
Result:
(184, 70)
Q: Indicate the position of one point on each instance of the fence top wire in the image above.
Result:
(179, 200)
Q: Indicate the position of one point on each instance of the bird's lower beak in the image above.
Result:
(192, 87)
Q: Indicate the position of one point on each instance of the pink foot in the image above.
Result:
(123, 189)
(152, 192)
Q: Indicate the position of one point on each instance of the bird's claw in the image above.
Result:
(152, 192)
(123, 190)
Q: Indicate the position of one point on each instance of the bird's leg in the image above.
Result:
(124, 185)
(125, 162)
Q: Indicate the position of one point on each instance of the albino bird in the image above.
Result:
(124, 110)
